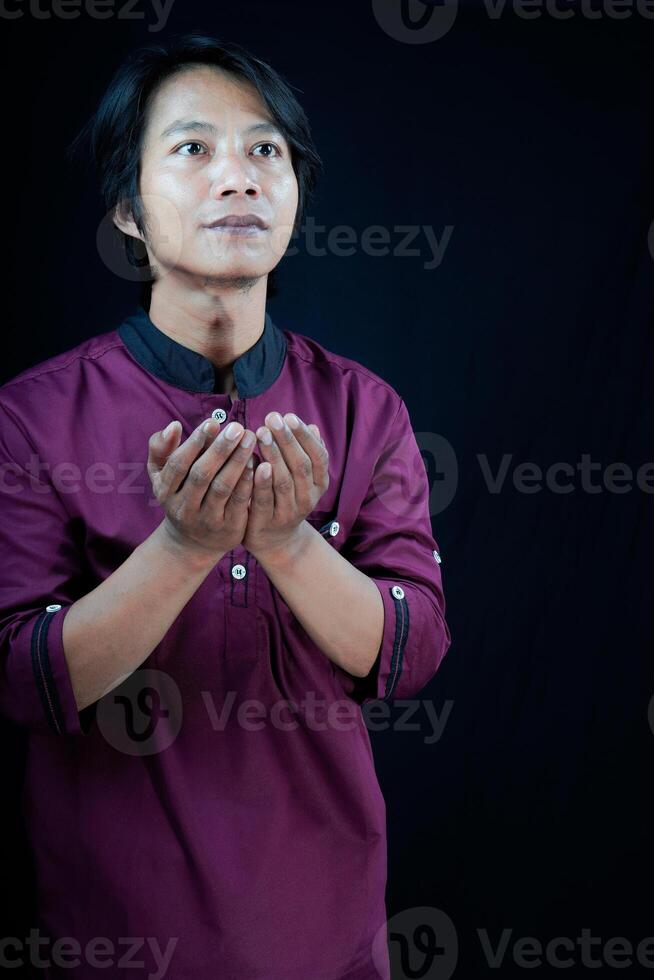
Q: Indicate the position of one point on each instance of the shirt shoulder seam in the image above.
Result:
(343, 368)
(90, 356)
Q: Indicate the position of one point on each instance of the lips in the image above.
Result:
(238, 221)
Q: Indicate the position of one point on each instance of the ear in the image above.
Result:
(123, 220)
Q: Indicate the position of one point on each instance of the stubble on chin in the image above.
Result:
(241, 283)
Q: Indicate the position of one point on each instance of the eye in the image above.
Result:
(193, 143)
(274, 146)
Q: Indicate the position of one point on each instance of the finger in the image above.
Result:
(298, 462)
(313, 428)
(215, 473)
(225, 482)
(169, 465)
(313, 449)
(161, 444)
(239, 499)
(262, 505)
(283, 485)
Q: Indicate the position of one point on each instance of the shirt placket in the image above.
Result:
(236, 571)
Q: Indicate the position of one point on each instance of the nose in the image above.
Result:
(232, 174)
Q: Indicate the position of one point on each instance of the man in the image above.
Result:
(284, 561)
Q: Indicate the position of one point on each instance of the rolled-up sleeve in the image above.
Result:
(41, 575)
(392, 542)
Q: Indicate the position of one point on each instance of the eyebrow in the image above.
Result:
(188, 125)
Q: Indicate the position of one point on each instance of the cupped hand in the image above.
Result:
(288, 482)
(203, 485)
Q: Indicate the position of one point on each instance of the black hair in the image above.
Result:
(116, 128)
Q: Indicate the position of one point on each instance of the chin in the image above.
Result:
(241, 270)
(237, 265)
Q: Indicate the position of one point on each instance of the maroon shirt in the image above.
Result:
(238, 841)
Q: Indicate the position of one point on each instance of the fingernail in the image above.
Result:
(169, 428)
(247, 439)
(233, 429)
(276, 421)
(293, 421)
(266, 437)
(207, 425)
(250, 462)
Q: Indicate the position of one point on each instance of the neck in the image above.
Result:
(220, 323)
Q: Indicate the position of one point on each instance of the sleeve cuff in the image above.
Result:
(51, 676)
(382, 680)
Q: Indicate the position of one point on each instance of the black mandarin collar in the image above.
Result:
(254, 371)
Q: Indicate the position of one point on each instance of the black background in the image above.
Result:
(533, 338)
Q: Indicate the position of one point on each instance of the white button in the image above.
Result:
(398, 592)
(219, 414)
(334, 528)
(436, 556)
(238, 571)
(53, 608)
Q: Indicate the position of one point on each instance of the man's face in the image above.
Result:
(192, 175)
